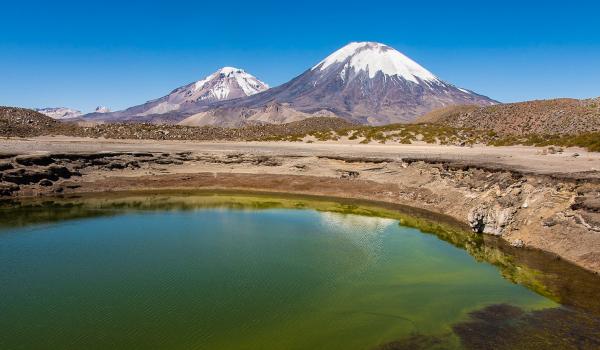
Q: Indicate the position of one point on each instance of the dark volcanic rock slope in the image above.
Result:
(363, 82)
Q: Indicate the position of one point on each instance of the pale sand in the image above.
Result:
(520, 158)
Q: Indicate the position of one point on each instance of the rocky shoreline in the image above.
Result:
(551, 212)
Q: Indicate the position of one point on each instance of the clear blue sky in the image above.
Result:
(120, 53)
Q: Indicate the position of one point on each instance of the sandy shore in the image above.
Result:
(528, 198)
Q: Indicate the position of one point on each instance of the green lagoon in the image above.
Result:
(243, 272)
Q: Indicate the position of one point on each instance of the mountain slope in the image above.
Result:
(366, 82)
(60, 112)
(550, 117)
(225, 84)
(272, 113)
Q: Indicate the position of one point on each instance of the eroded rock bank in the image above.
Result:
(557, 214)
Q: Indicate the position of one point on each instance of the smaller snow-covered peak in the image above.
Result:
(102, 109)
(249, 84)
(375, 57)
(60, 112)
(225, 84)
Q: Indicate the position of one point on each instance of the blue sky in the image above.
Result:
(86, 53)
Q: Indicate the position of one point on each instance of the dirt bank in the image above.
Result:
(549, 202)
(518, 158)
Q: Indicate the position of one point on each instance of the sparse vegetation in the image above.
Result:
(589, 141)
(26, 123)
(445, 135)
(408, 133)
(544, 117)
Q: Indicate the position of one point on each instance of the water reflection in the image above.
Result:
(363, 232)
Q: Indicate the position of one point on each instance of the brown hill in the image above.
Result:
(21, 122)
(24, 122)
(547, 117)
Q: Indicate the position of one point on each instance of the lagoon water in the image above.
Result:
(226, 278)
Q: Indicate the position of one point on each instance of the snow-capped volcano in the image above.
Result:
(374, 58)
(364, 82)
(225, 84)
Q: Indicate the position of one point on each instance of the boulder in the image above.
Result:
(28, 160)
(28, 176)
(6, 166)
(491, 220)
(45, 182)
(518, 243)
(348, 174)
(8, 189)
